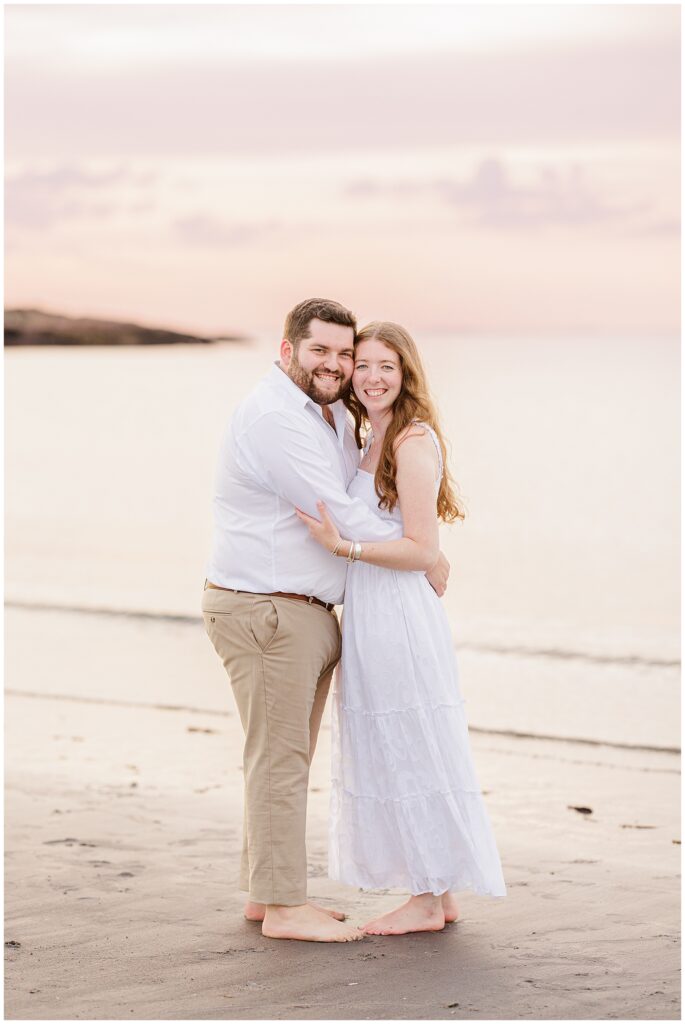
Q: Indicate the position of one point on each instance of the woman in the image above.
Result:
(407, 809)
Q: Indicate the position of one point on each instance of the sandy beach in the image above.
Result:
(124, 816)
(124, 788)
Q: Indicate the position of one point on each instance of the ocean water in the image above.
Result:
(566, 452)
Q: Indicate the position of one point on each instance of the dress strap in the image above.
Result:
(424, 426)
(429, 430)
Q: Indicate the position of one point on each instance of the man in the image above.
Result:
(269, 597)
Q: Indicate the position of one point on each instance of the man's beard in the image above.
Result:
(306, 381)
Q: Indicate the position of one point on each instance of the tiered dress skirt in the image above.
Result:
(406, 805)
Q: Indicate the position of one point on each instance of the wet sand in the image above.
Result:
(123, 837)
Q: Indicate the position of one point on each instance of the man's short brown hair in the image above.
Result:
(298, 319)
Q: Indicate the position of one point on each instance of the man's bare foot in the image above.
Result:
(255, 911)
(422, 913)
(306, 923)
(449, 907)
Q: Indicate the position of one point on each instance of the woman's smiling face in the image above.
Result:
(377, 377)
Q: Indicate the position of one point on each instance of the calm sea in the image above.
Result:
(566, 452)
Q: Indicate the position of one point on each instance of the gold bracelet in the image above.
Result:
(350, 556)
(336, 549)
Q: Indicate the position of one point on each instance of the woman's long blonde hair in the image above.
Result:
(413, 403)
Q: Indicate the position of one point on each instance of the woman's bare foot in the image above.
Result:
(449, 907)
(422, 913)
(306, 923)
(255, 911)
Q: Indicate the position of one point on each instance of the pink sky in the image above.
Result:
(511, 169)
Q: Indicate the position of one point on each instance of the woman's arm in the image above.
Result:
(418, 549)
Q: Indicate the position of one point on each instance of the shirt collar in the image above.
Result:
(280, 378)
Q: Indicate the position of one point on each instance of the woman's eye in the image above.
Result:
(360, 366)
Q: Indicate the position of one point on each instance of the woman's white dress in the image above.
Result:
(406, 806)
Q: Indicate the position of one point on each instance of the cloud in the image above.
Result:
(490, 198)
(587, 92)
(207, 232)
(556, 197)
(660, 228)
(38, 199)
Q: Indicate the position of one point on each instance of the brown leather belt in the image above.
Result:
(275, 593)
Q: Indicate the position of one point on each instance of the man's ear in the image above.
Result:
(286, 353)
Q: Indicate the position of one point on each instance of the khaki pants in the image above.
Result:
(279, 654)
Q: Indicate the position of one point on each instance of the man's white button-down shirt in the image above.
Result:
(279, 453)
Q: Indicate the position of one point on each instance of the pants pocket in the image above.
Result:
(264, 623)
(209, 620)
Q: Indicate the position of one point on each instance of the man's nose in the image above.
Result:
(332, 363)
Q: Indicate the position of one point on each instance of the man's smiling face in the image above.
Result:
(322, 364)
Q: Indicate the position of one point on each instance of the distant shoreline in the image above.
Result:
(30, 327)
